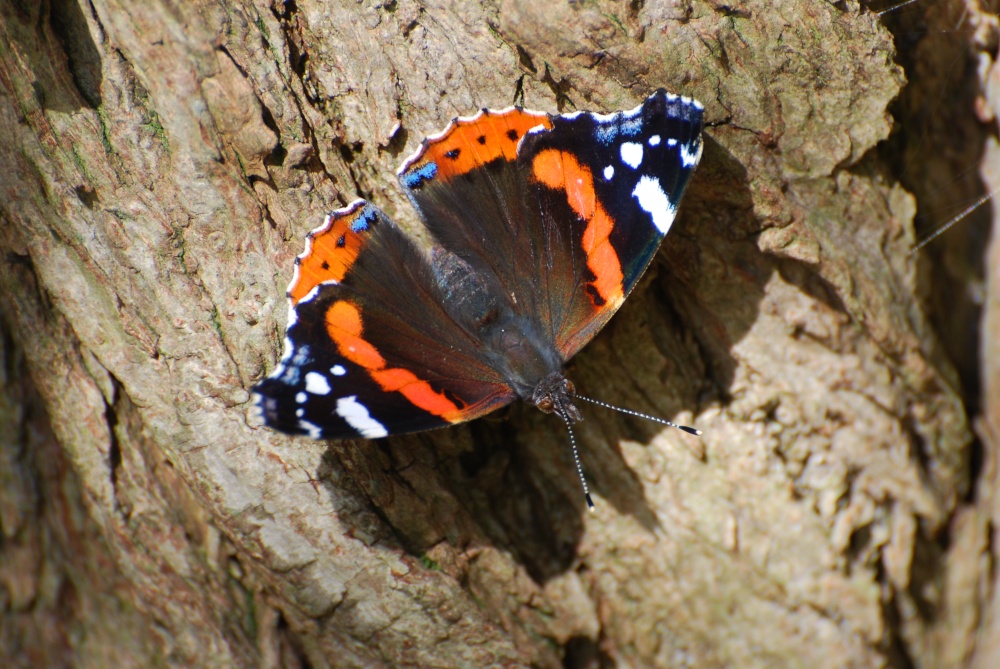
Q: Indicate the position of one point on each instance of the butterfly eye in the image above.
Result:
(545, 405)
(569, 387)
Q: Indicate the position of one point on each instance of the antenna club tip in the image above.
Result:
(691, 430)
(590, 504)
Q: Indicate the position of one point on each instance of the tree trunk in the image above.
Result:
(161, 164)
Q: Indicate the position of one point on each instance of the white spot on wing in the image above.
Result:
(315, 431)
(609, 172)
(317, 384)
(655, 202)
(654, 140)
(671, 142)
(631, 154)
(338, 370)
(301, 397)
(690, 154)
(357, 416)
(301, 356)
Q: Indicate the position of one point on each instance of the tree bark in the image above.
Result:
(162, 163)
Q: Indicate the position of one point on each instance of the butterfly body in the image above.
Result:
(510, 342)
(541, 224)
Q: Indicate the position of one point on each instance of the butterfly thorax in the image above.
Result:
(512, 341)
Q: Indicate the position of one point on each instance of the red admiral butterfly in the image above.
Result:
(542, 223)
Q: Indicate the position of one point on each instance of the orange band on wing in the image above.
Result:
(560, 170)
(332, 250)
(470, 143)
(418, 392)
(343, 323)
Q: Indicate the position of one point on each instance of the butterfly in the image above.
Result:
(541, 225)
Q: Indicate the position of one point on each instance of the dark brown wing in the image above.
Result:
(565, 212)
(370, 349)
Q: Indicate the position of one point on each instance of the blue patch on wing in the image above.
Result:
(609, 127)
(415, 178)
(364, 219)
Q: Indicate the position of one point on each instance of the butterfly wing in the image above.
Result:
(476, 203)
(618, 179)
(565, 211)
(551, 218)
(370, 349)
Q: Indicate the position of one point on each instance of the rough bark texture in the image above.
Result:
(161, 163)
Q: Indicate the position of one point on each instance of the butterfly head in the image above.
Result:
(554, 394)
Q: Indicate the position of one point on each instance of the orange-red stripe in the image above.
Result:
(326, 260)
(419, 392)
(344, 324)
(560, 170)
(477, 141)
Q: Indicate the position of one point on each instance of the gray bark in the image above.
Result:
(162, 163)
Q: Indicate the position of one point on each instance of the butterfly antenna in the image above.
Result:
(689, 430)
(900, 5)
(576, 459)
(968, 210)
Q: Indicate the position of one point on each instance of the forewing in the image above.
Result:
(621, 176)
(567, 211)
(370, 348)
(477, 204)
